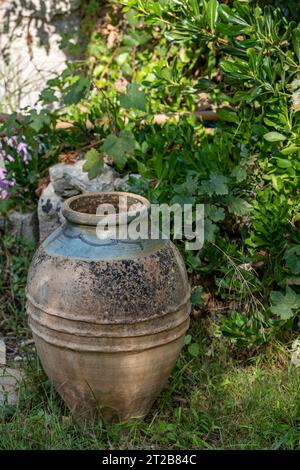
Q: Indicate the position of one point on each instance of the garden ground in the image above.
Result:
(211, 402)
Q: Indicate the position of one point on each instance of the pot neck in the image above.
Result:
(116, 208)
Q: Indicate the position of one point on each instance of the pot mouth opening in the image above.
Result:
(92, 208)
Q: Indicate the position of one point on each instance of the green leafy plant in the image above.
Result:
(285, 306)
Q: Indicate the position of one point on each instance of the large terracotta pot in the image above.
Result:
(108, 316)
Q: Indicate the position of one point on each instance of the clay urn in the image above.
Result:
(108, 315)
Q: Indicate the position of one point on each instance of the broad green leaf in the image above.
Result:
(227, 15)
(214, 213)
(93, 163)
(39, 120)
(210, 230)
(136, 38)
(276, 182)
(274, 137)
(163, 72)
(285, 306)
(77, 91)
(185, 192)
(292, 259)
(48, 96)
(252, 54)
(134, 98)
(237, 206)
(281, 163)
(229, 29)
(195, 7)
(11, 124)
(216, 184)
(296, 42)
(237, 69)
(122, 58)
(227, 114)
(196, 297)
(203, 84)
(187, 188)
(267, 67)
(194, 349)
(156, 8)
(187, 339)
(212, 13)
(132, 18)
(119, 146)
(239, 173)
(290, 149)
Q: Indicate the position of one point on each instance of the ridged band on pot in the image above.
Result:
(85, 328)
(108, 317)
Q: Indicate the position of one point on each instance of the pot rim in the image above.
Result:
(82, 218)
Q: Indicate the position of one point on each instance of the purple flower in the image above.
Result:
(10, 158)
(2, 173)
(22, 147)
(3, 193)
(5, 183)
(11, 141)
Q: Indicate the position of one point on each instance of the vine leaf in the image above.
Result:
(39, 120)
(237, 206)
(196, 297)
(284, 305)
(134, 98)
(93, 163)
(77, 91)
(214, 213)
(292, 259)
(210, 230)
(48, 96)
(216, 184)
(119, 146)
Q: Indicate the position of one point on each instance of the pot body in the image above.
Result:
(108, 318)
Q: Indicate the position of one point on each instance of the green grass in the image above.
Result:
(211, 402)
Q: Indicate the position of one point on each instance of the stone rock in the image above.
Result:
(24, 225)
(295, 356)
(26, 342)
(9, 381)
(2, 353)
(49, 212)
(31, 35)
(18, 359)
(70, 179)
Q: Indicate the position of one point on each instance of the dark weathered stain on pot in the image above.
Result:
(139, 289)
